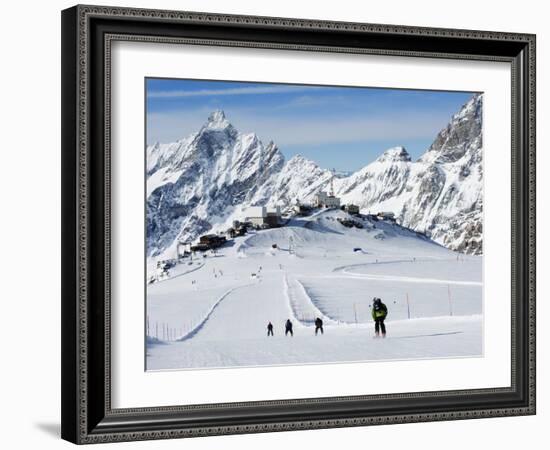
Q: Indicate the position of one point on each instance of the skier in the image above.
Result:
(379, 314)
(318, 326)
(270, 329)
(288, 328)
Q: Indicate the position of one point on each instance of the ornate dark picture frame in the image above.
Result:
(87, 34)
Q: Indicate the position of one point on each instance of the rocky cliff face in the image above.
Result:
(205, 181)
(441, 194)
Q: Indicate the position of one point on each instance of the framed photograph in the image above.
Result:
(280, 224)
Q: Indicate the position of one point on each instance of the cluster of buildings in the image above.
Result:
(264, 217)
(206, 242)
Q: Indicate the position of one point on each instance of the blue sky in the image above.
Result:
(338, 127)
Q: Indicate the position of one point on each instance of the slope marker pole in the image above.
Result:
(408, 307)
(450, 300)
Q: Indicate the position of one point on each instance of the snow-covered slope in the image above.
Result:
(213, 311)
(206, 180)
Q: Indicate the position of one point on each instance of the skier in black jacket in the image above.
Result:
(270, 329)
(379, 314)
(288, 328)
(318, 326)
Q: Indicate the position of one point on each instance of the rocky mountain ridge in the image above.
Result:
(203, 182)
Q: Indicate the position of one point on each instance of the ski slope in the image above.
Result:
(216, 315)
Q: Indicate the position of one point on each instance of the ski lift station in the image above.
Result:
(326, 200)
(262, 216)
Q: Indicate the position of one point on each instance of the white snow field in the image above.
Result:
(214, 312)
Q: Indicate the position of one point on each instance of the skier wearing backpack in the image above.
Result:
(379, 314)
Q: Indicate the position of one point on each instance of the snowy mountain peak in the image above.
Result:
(472, 107)
(298, 160)
(217, 120)
(395, 154)
(461, 136)
(305, 169)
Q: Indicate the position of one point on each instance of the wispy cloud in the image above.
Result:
(255, 90)
(308, 101)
